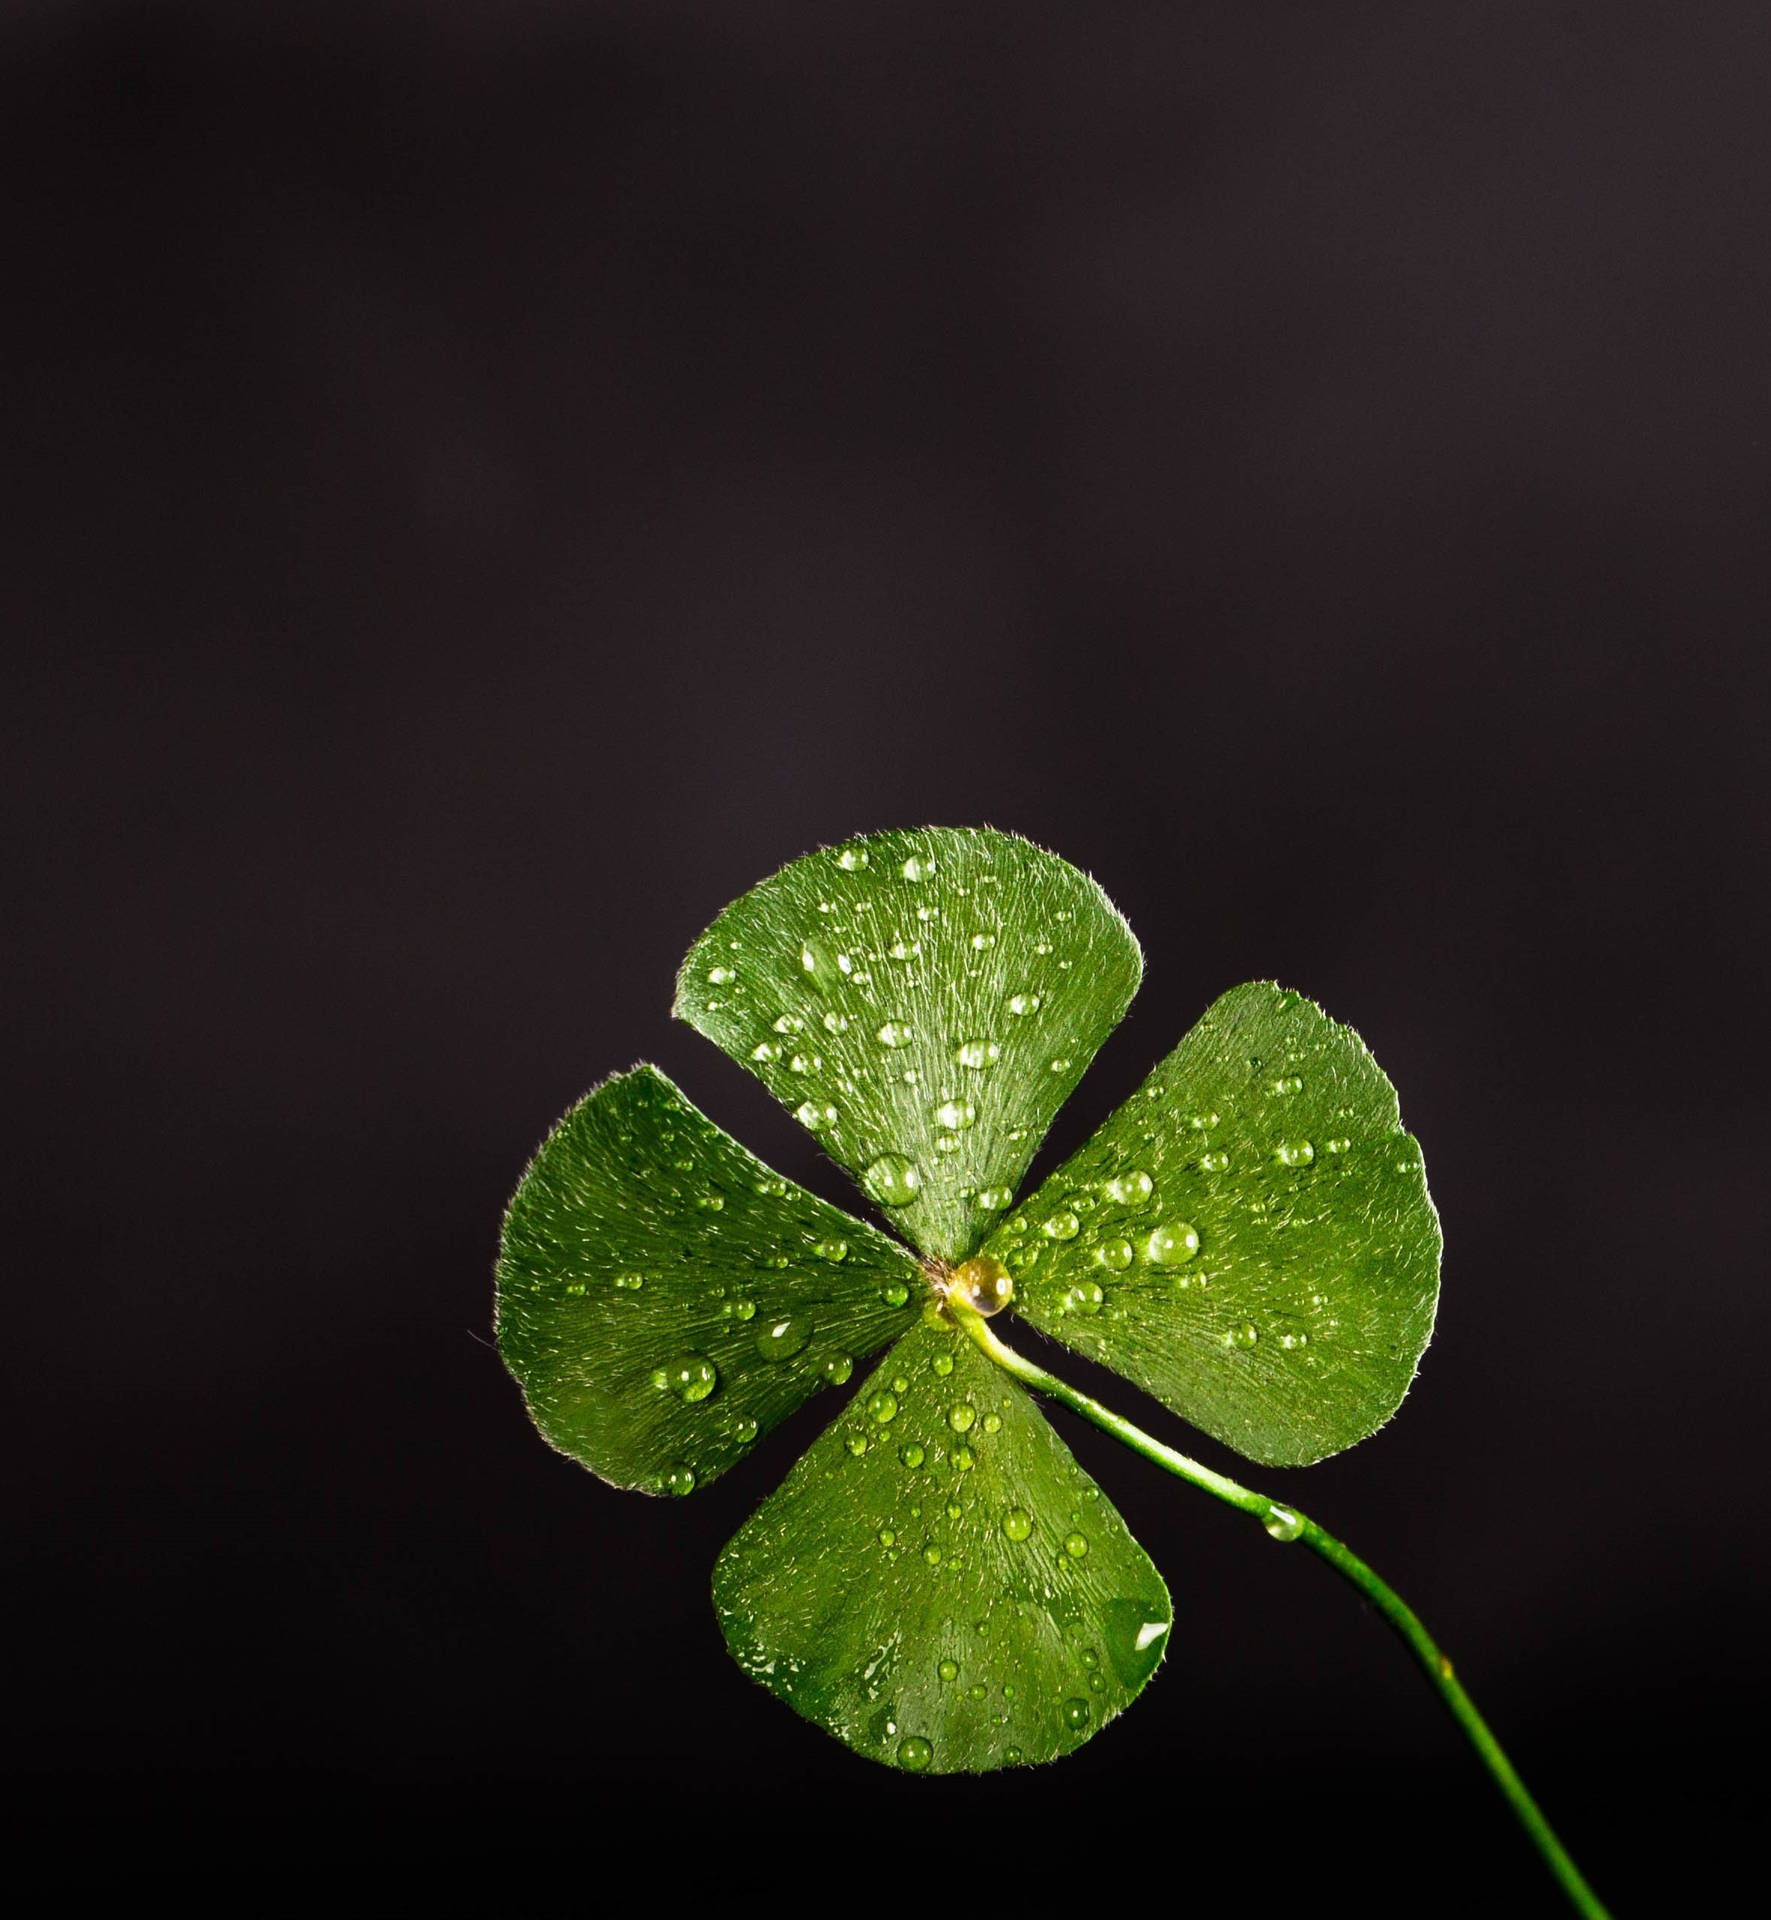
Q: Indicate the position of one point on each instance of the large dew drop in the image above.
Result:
(692, 1377)
(892, 1180)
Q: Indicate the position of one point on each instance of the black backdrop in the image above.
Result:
(485, 485)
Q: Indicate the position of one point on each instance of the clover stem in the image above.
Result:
(1286, 1523)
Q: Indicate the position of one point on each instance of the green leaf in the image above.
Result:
(924, 1002)
(1249, 1237)
(664, 1298)
(938, 1583)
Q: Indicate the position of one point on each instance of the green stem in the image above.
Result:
(1286, 1523)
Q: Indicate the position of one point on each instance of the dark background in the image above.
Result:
(483, 485)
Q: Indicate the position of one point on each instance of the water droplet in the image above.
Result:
(964, 1459)
(808, 959)
(744, 1430)
(1076, 1545)
(983, 942)
(1021, 1004)
(835, 1251)
(1294, 1153)
(1061, 1065)
(1173, 1244)
(994, 1199)
(918, 866)
(852, 859)
(948, 1670)
(1283, 1524)
(815, 1114)
(720, 976)
(679, 1480)
(942, 1363)
(1017, 1523)
(960, 1418)
(1292, 1341)
(883, 1406)
(1130, 1189)
(781, 1339)
(932, 1554)
(993, 1423)
(1215, 1162)
(744, 1309)
(711, 1202)
(788, 1023)
(955, 1114)
(1288, 1083)
(1063, 1226)
(1085, 1297)
(692, 1377)
(894, 1293)
(837, 1368)
(806, 1063)
(892, 1180)
(953, 1509)
(1076, 1715)
(836, 1023)
(1114, 1254)
(630, 1282)
(978, 1054)
(857, 1444)
(1135, 1632)
(1011, 1756)
(982, 1283)
(911, 1454)
(1089, 1657)
(1336, 1146)
(915, 1755)
(765, 1050)
(896, 1033)
(1243, 1334)
(887, 1538)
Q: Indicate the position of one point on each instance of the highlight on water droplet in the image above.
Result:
(765, 1050)
(1076, 1715)
(932, 1554)
(857, 1444)
(978, 1054)
(1063, 1225)
(961, 1417)
(1287, 1084)
(836, 1022)
(1294, 1153)
(955, 1114)
(983, 1283)
(892, 1180)
(1215, 1162)
(1022, 1004)
(679, 1480)
(994, 1199)
(815, 1114)
(1172, 1244)
(1115, 1255)
(915, 1755)
(744, 1430)
(852, 859)
(692, 1377)
(896, 1033)
(783, 1337)
(1283, 1524)
(1017, 1523)
(721, 976)
(1336, 1146)
(710, 1202)
(918, 867)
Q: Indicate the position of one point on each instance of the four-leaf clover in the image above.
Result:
(1249, 1238)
